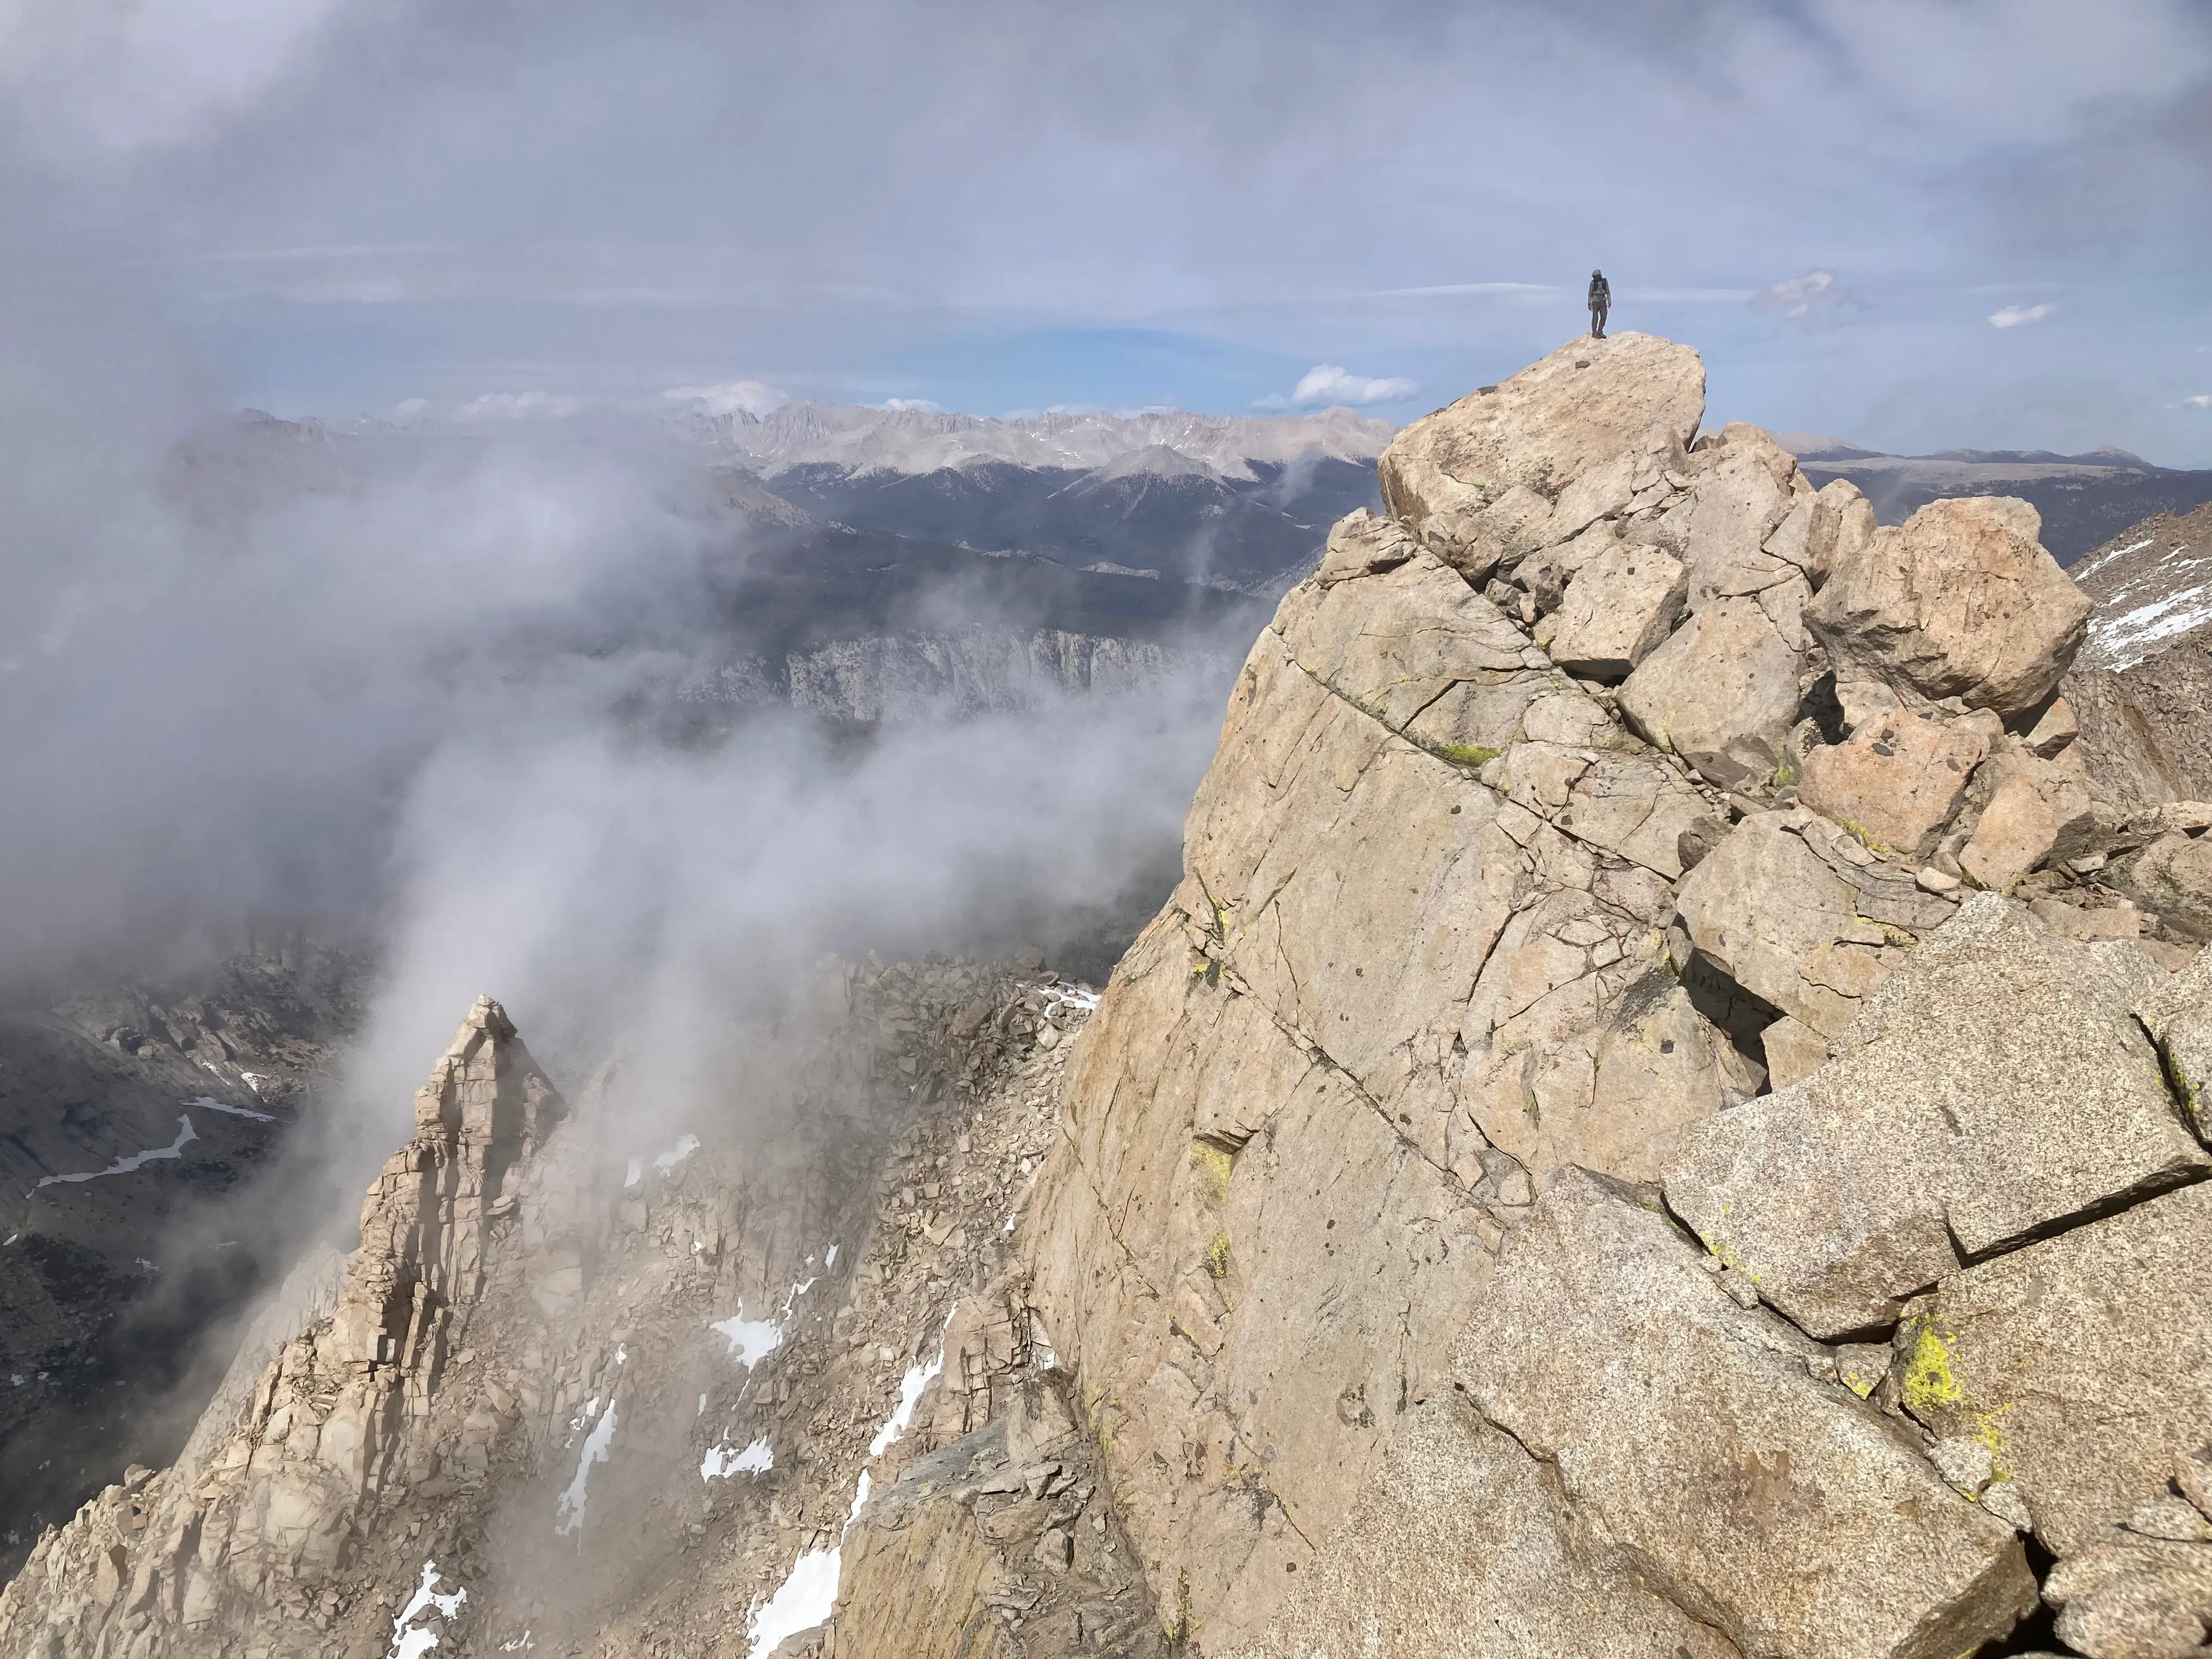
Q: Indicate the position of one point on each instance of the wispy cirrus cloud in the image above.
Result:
(1468, 291)
(1330, 383)
(2021, 316)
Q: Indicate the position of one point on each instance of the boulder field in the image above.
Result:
(1665, 1118)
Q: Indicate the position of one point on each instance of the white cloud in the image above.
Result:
(2202, 401)
(153, 72)
(2015, 316)
(519, 406)
(730, 397)
(912, 406)
(1814, 300)
(1327, 383)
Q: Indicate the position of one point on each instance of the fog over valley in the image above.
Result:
(870, 832)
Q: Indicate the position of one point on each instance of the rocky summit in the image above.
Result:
(1665, 1118)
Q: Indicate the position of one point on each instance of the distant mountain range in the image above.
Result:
(863, 439)
(881, 563)
(1214, 501)
(2085, 500)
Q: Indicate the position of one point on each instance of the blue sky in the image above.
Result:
(337, 207)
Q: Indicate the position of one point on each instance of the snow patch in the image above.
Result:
(412, 1643)
(808, 1595)
(917, 1378)
(2117, 553)
(2126, 640)
(830, 1260)
(636, 1173)
(1074, 996)
(806, 1598)
(723, 1462)
(185, 1135)
(569, 1514)
(751, 1341)
(676, 1154)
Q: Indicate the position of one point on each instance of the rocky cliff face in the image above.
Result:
(1525, 1193)
(563, 1398)
(1664, 1117)
(902, 676)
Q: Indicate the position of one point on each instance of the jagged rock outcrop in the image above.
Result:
(1537, 459)
(562, 1397)
(1797, 911)
(268, 1504)
(1960, 601)
(1466, 938)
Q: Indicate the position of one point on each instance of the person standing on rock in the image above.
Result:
(1601, 302)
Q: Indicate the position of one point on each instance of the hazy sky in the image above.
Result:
(1912, 222)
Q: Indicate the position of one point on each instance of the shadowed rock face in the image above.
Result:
(1409, 1256)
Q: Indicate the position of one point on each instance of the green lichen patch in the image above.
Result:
(1465, 754)
(1214, 1165)
(1217, 1257)
(1986, 1430)
(1928, 1383)
(1864, 836)
(2178, 1081)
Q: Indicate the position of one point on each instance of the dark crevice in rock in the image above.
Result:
(1727, 1005)
(2166, 1181)
(1824, 709)
(2035, 1634)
